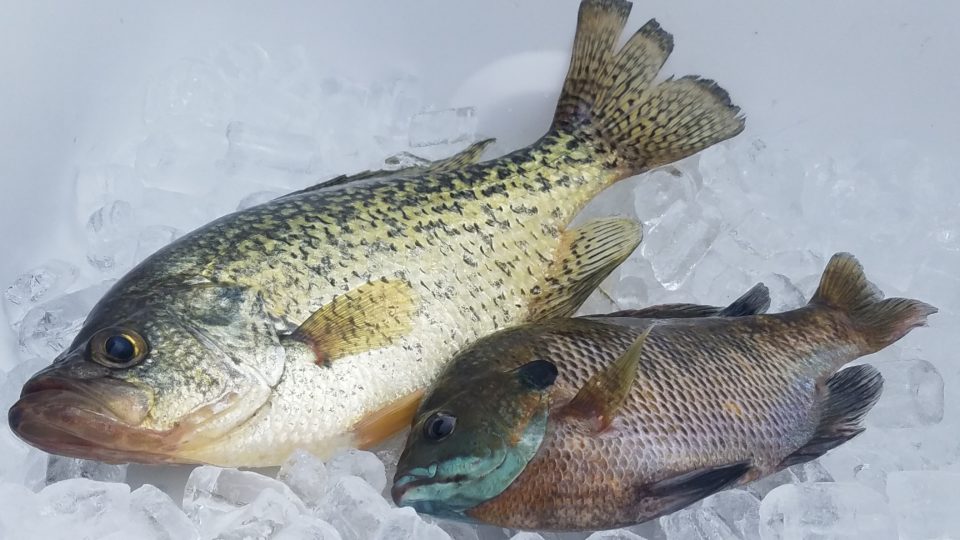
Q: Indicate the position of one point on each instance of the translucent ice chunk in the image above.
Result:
(808, 472)
(160, 515)
(659, 191)
(360, 463)
(111, 237)
(192, 92)
(524, 535)
(306, 475)
(48, 328)
(37, 284)
(308, 528)
(354, 507)
(253, 145)
(695, 524)
(925, 503)
(96, 508)
(445, 126)
(678, 242)
(99, 186)
(223, 500)
(181, 161)
(617, 534)
(404, 160)
(152, 238)
(63, 468)
(825, 510)
(912, 395)
(405, 523)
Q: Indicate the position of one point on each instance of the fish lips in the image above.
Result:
(89, 419)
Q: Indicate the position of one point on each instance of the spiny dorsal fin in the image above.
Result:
(604, 393)
(467, 156)
(844, 287)
(849, 396)
(753, 302)
(611, 94)
(369, 317)
(586, 255)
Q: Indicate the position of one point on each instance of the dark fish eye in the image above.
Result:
(439, 426)
(117, 348)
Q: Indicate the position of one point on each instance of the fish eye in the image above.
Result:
(117, 348)
(439, 426)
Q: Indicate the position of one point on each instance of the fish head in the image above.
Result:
(154, 376)
(466, 447)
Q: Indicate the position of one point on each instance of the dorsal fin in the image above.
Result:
(753, 302)
(467, 156)
(369, 317)
(586, 255)
(604, 393)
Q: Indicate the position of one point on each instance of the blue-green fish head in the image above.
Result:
(467, 447)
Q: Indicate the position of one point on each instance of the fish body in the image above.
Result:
(645, 415)
(315, 320)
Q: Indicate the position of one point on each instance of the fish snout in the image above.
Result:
(403, 483)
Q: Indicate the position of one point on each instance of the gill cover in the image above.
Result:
(461, 453)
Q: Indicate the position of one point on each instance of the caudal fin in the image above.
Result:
(610, 98)
(849, 396)
(844, 287)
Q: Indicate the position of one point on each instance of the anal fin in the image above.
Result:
(849, 395)
(586, 255)
(676, 492)
(368, 317)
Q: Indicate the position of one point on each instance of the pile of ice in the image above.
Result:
(243, 126)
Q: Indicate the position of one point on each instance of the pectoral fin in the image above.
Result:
(369, 317)
(586, 256)
(675, 492)
(379, 425)
(604, 393)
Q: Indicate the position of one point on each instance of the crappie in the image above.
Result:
(606, 421)
(315, 320)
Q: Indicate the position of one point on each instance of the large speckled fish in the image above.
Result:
(606, 421)
(315, 320)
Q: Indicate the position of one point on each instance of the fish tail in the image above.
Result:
(879, 322)
(611, 102)
(849, 395)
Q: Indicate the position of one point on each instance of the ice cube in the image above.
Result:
(739, 510)
(389, 454)
(182, 161)
(825, 510)
(616, 534)
(37, 284)
(18, 506)
(99, 186)
(262, 147)
(257, 198)
(152, 238)
(445, 126)
(659, 191)
(96, 508)
(160, 516)
(925, 504)
(678, 242)
(695, 524)
(308, 528)
(222, 500)
(63, 468)
(354, 507)
(811, 471)
(111, 237)
(48, 328)
(268, 514)
(404, 160)
(405, 523)
(306, 475)
(525, 535)
(360, 463)
(912, 395)
(190, 93)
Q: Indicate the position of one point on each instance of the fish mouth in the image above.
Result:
(90, 419)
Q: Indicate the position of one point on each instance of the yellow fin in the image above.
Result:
(585, 257)
(369, 317)
(379, 425)
(467, 156)
(604, 393)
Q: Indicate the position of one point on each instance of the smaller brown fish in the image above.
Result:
(607, 421)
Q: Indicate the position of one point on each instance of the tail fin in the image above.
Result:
(849, 396)
(844, 287)
(609, 95)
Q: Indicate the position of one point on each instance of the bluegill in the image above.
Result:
(315, 320)
(607, 421)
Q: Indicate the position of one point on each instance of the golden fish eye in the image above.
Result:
(117, 348)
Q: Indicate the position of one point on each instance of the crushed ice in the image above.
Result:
(243, 126)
